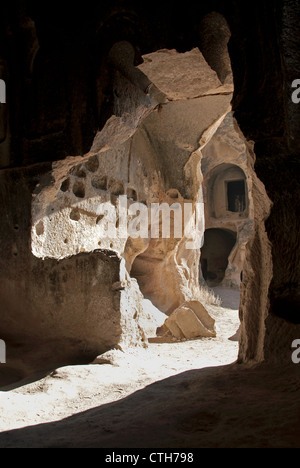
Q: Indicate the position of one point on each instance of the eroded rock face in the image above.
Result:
(181, 76)
(56, 312)
(254, 289)
(61, 90)
(150, 155)
(85, 286)
(229, 207)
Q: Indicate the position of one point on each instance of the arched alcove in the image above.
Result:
(227, 192)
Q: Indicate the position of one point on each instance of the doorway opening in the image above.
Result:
(236, 196)
(218, 244)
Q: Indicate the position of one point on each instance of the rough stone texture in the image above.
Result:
(136, 165)
(267, 116)
(257, 275)
(61, 91)
(57, 312)
(71, 279)
(189, 321)
(214, 38)
(226, 158)
(171, 73)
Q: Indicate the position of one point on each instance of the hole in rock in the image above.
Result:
(236, 196)
(40, 228)
(116, 187)
(99, 218)
(65, 186)
(75, 215)
(226, 189)
(79, 189)
(173, 193)
(99, 182)
(79, 172)
(131, 194)
(218, 244)
(92, 165)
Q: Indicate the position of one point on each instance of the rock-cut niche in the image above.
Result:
(228, 192)
(218, 244)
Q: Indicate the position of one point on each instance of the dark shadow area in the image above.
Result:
(236, 196)
(11, 378)
(218, 244)
(287, 308)
(230, 406)
(36, 364)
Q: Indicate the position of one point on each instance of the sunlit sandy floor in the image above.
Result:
(179, 395)
(71, 390)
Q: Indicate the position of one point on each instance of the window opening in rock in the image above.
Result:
(236, 196)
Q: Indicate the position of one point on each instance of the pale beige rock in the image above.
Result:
(226, 159)
(180, 76)
(191, 320)
(172, 327)
(131, 157)
(151, 318)
(202, 315)
(135, 153)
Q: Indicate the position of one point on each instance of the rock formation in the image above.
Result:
(131, 157)
(116, 100)
(188, 321)
(228, 201)
(76, 278)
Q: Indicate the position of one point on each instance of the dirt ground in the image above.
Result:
(187, 394)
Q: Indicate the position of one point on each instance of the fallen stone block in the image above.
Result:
(189, 321)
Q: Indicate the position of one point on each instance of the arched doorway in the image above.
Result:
(227, 192)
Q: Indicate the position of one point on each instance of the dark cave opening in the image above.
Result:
(218, 244)
(236, 196)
